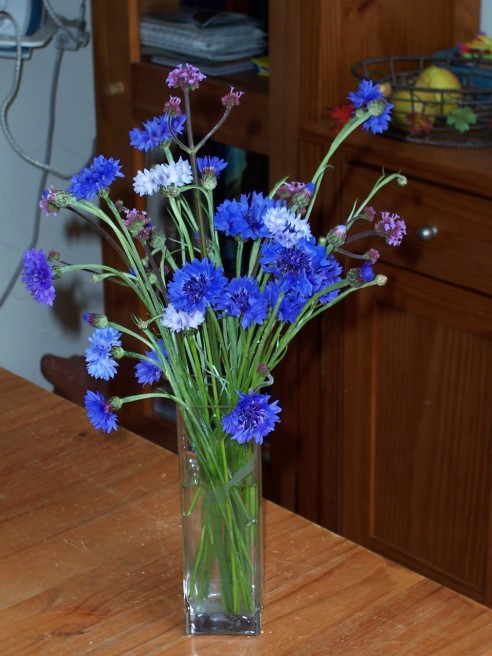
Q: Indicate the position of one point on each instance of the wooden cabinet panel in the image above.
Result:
(417, 431)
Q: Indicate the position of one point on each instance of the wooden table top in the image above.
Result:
(90, 559)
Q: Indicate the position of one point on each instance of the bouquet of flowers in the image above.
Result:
(213, 333)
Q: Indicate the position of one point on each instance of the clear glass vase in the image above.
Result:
(222, 527)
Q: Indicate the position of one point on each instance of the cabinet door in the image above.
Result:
(417, 430)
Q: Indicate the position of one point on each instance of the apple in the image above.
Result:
(410, 105)
(439, 79)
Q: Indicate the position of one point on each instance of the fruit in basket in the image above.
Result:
(439, 80)
(413, 111)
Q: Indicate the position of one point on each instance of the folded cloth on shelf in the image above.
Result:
(225, 36)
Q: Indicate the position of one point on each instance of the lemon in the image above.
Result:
(408, 104)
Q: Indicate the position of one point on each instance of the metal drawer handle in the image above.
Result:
(426, 233)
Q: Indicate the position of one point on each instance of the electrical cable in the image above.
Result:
(59, 23)
(4, 109)
(42, 186)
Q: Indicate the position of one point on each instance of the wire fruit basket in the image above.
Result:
(458, 113)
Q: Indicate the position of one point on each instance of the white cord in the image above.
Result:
(58, 22)
(42, 185)
(10, 99)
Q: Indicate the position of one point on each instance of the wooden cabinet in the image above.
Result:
(415, 439)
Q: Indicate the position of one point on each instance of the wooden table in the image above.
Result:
(90, 559)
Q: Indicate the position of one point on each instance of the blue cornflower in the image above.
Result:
(295, 268)
(367, 272)
(326, 275)
(210, 165)
(378, 122)
(197, 286)
(252, 418)
(244, 299)
(361, 275)
(95, 178)
(99, 357)
(156, 132)
(369, 96)
(290, 303)
(244, 218)
(100, 412)
(148, 371)
(38, 276)
(366, 93)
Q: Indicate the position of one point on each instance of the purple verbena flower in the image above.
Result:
(48, 202)
(149, 371)
(185, 77)
(297, 194)
(252, 418)
(38, 276)
(197, 286)
(391, 227)
(100, 411)
(156, 132)
(138, 224)
(180, 320)
(244, 299)
(173, 106)
(99, 356)
(231, 99)
(96, 178)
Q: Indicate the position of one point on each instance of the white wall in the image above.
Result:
(486, 17)
(28, 329)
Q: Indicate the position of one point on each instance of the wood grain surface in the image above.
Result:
(90, 559)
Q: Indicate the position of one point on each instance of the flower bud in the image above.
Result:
(95, 320)
(337, 235)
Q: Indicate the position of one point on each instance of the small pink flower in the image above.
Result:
(173, 106)
(231, 99)
(185, 77)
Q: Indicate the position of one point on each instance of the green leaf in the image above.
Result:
(461, 118)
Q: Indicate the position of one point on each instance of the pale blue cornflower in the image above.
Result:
(175, 173)
(285, 226)
(99, 356)
(179, 320)
(144, 183)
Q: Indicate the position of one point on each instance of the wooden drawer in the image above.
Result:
(461, 250)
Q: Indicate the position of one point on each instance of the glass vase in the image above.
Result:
(222, 527)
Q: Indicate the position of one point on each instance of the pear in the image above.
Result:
(439, 79)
